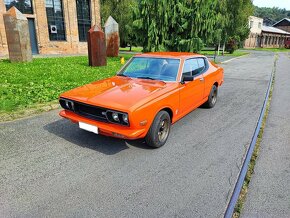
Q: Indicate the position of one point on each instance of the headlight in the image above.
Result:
(115, 116)
(125, 118)
(67, 104)
(118, 117)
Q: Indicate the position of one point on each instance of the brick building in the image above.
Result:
(265, 36)
(55, 26)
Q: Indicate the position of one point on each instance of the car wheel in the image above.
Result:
(212, 98)
(159, 130)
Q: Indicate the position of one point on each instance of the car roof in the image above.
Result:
(180, 55)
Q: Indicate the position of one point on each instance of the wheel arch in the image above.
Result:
(169, 111)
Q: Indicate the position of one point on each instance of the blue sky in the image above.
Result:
(273, 3)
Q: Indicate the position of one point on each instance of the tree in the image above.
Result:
(275, 14)
(175, 25)
(222, 21)
(237, 29)
(186, 25)
(122, 12)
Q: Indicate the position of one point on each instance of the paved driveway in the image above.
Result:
(49, 167)
(269, 190)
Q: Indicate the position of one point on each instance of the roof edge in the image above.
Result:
(285, 18)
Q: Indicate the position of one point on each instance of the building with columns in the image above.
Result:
(55, 26)
(265, 36)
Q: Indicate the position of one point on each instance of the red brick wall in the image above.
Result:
(45, 46)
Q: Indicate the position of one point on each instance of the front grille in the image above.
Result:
(85, 110)
(92, 112)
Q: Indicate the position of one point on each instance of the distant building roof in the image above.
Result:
(287, 19)
(274, 30)
(268, 21)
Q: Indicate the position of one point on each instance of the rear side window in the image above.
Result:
(190, 66)
(201, 65)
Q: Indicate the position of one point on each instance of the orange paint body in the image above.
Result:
(142, 99)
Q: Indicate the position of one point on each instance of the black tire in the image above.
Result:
(159, 130)
(212, 98)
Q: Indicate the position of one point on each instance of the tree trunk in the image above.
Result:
(224, 46)
(219, 47)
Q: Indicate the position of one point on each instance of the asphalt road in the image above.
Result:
(49, 167)
(269, 190)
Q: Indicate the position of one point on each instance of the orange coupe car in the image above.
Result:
(150, 93)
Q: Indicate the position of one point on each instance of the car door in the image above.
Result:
(191, 93)
(203, 70)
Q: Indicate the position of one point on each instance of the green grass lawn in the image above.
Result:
(23, 85)
(134, 49)
(235, 54)
(209, 53)
(269, 49)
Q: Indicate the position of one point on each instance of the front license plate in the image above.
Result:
(89, 127)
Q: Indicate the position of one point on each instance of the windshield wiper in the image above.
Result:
(145, 77)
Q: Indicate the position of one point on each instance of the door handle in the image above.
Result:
(201, 79)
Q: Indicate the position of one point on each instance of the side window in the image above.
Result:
(201, 65)
(201, 62)
(190, 66)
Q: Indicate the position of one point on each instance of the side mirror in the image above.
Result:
(187, 79)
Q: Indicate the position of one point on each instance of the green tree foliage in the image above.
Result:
(239, 12)
(175, 25)
(222, 22)
(237, 29)
(122, 12)
(275, 14)
(185, 25)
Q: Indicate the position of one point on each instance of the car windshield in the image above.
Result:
(164, 69)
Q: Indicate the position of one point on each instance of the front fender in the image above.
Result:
(147, 112)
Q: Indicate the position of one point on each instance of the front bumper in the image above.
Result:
(107, 129)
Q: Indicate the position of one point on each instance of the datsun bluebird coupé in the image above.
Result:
(150, 93)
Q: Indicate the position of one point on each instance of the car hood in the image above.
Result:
(119, 93)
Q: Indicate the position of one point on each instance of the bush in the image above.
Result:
(232, 45)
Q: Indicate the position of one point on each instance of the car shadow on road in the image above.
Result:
(107, 145)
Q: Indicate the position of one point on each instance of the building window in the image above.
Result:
(55, 20)
(251, 24)
(24, 6)
(84, 18)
